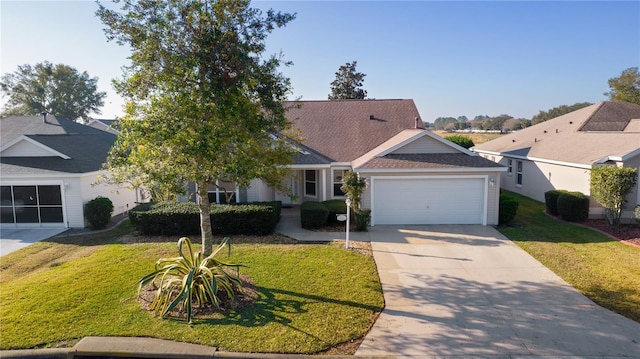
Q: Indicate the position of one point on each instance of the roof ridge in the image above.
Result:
(593, 113)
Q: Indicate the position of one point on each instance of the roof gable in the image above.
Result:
(24, 146)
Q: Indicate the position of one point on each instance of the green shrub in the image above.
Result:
(551, 200)
(461, 140)
(637, 213)
(573, 206)
(508, 208)
(313, 215)
(182, 280)
(335, 207)
(362, 218)
(183, 218)
(98, 212)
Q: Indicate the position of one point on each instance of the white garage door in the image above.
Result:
(428, 201)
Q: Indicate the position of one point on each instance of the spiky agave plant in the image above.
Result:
(192, 277)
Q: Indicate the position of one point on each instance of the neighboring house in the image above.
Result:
(110, 126)
(414, 176)
(48, 171)
(559, 153)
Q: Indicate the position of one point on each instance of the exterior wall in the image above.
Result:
(425, 145)
(633, 198)
(538, 178)
(26, 149)
(493, 190)
(122, 198)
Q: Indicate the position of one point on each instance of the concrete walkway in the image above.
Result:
(469, 291)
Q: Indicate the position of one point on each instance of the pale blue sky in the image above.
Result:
(452, 58)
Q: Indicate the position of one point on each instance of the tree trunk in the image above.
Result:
(205, 218)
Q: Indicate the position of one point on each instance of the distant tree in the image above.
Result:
(347, 84)
(626, 87)
(204, 104)
(57, 89)
(461, 140)
(512, 124)
(557, 111)
(445, 123)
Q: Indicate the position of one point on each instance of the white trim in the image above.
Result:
(52, 174)
(536, 159)
(619, 158)
(35, 143)
(485, 206)
(308, 167)
(333, 170)
(432, 170)
(324, 186)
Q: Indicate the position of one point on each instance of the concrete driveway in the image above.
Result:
(12, 239)
(467, 290)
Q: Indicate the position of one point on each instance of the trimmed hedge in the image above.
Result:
(313, 215)
(508, 207)
(573, 206)
(335, 207)
(183, 218)
(551, 200)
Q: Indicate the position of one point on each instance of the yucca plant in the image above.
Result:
(188, 278)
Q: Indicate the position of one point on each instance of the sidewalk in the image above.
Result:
(289, 225)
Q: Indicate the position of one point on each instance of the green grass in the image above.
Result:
(311, 297)
(476, 137)
(603, 269)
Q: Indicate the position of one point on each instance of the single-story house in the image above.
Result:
(414, 176)
(560, 153)
(49, 168)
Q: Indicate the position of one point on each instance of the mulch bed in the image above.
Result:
(626, 233)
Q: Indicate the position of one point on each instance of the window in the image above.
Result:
(509, 167)
(31, 204)
(338, 176)
(310, 183)
(519, 173)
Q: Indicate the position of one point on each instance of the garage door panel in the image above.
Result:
(429, 201)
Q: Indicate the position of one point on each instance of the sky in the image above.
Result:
(452, 58)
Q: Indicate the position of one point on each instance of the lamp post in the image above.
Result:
(348, 202)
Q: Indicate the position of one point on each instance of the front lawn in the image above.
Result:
(605, 270)
(311, 297)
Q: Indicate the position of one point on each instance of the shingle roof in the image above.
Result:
(428, 161)
(584, 136)
(86, 146)
(343, 130)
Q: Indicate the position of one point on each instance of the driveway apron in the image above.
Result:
(453, 290)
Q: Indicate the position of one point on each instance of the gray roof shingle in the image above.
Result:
(87, 147)
(429, 161)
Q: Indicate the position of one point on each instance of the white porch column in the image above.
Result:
(324, 184)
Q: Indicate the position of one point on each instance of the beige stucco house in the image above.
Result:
(559, 153)
(414, 176)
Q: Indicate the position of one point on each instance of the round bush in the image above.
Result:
(313, 215)
(573, 206)
(508, 208)
(551, 200)
(98, 212)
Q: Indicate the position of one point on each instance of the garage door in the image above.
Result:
(428, 201)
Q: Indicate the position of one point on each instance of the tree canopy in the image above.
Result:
(348, 83)
(57, 89)
(610, 185)
(625, 87)
(202, 103)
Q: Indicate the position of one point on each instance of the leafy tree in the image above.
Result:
(461, 140)
(347, 84)
(610, 186)
(202, 103)
(626, 87)
(57, 89)
(557, 111)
